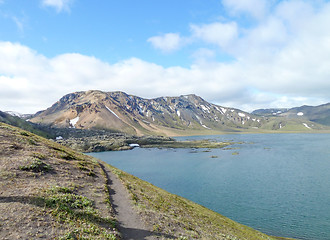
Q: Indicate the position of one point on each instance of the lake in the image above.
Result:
(276, 183)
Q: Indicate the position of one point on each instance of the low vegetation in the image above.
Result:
(126, 142)
(48, 191)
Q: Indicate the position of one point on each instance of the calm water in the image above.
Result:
(277, 183)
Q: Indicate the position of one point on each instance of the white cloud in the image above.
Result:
(283, 61)
(27, 75)
(255, 8)
(59, 5)
(204, 56)
(222, 34)
(168, 42)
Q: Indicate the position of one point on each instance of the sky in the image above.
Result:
(247, 54)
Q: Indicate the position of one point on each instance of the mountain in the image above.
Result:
(20, 115)
(119, 111)
(169, 116)
(17, 121)
(317, 114)
(269, 111)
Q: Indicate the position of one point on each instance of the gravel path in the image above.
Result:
(129, 223)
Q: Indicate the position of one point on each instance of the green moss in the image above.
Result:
(36, 165)
(78, 212)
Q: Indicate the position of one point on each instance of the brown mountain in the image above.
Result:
(119, 111)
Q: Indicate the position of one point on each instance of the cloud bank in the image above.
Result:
(281, 61)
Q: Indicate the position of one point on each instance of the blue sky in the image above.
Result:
(246, 54)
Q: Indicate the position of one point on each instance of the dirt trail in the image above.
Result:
(129, 222)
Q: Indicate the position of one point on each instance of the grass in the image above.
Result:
(77, 211)
(36, 165)
(61, 205)
(179, 217)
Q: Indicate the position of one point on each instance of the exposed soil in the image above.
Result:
(129, 222)
(30, 166)
(24, 212)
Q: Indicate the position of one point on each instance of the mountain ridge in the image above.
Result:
(136, 115)
(318, 114)
(168, 116)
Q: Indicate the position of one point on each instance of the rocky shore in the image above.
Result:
(118, 142)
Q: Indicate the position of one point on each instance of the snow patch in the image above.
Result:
(222, 111)
(74, 121)
(134, 145)
(205, 126)
(300, 114)
(59, 138)
(241, 114)
(178, 112)
(112, 112)
(305, 124)
(232, 110)
(141, 108)
(15, 114)
(205, 109)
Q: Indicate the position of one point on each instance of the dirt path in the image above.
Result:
(129, 222)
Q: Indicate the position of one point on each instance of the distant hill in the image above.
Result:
(317, 114)
(269, 111)
(21, 123)
(169, 116)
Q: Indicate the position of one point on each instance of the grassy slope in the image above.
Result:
(179, 217)
(18, 122)
(48, 191)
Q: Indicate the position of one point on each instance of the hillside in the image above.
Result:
(50, 191)
(17, 121)
(170, 116)
(313, 114)
(318, 114)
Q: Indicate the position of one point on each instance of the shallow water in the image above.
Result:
(276, 183)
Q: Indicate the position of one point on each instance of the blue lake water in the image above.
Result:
(277, 183)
